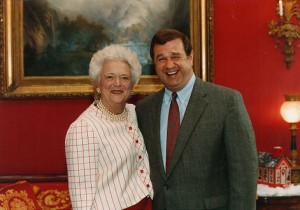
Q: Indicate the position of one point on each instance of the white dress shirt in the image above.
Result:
(108, 165)
(183, 97)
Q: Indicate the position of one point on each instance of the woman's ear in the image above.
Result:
(98, 90)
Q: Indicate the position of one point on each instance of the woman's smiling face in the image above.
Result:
(115, 83)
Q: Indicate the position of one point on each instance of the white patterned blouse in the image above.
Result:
(108, 166)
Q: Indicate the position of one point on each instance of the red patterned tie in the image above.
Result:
(173, 129)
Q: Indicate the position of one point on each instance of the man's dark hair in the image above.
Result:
(166, 35)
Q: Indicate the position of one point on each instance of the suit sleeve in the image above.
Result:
(242, 155)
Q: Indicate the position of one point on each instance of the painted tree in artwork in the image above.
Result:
(55, 43)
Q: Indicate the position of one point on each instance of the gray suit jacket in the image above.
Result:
(214, 164)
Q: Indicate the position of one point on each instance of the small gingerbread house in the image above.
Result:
(274, 171)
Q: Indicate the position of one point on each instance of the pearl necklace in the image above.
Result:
(115, 117)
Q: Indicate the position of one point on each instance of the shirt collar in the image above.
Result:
(182, 95)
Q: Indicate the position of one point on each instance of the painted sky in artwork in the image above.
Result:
(119, 13)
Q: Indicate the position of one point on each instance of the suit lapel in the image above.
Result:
(191, 117)
(155, 134)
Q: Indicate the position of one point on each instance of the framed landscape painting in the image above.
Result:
(46, 45)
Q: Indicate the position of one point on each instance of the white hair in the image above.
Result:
(111, 53)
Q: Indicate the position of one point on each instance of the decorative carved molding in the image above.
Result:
(2, 47)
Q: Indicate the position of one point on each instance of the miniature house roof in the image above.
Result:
(267, 160)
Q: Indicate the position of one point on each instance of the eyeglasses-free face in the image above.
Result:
(172, 65)
(115, 84)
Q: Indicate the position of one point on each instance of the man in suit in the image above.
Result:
(214, 162)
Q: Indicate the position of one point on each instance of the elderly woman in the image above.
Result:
(108, 166)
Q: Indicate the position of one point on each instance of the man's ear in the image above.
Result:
(191, 57)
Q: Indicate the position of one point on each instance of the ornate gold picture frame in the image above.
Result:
(14, 85)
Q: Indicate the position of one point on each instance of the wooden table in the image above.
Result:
(278, 203)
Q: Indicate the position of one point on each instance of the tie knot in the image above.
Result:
(174, 95)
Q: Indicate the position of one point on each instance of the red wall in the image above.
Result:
(246, 59)
(32, 132)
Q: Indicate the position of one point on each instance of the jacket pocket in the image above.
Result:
(216, 202)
